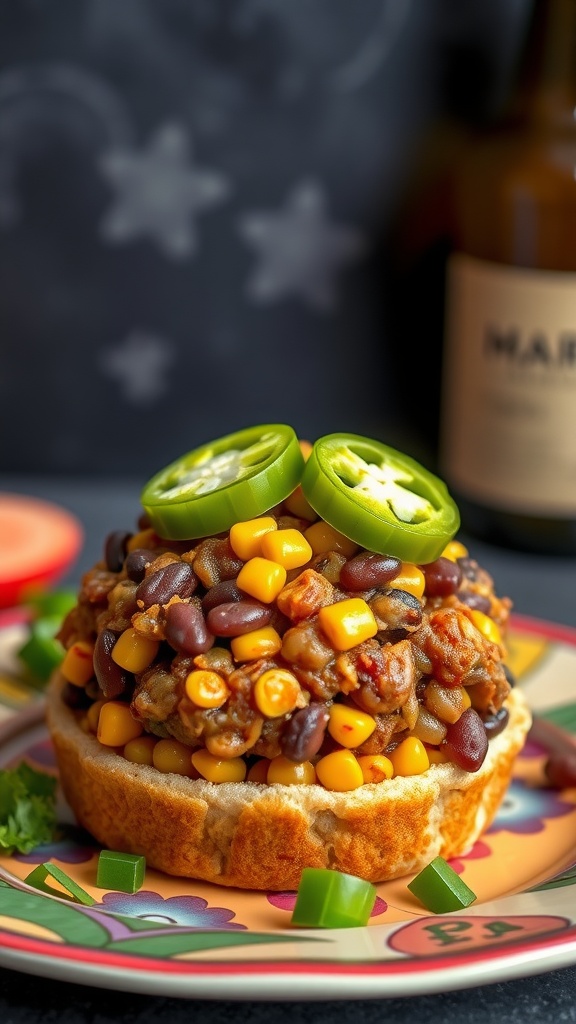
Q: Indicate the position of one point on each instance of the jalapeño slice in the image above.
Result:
(234, 478)
(381, 499)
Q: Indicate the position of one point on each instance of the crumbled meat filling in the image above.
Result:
(419, 643)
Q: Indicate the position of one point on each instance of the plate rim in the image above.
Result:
(297, 978)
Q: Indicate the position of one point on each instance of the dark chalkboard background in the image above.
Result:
(198, 207)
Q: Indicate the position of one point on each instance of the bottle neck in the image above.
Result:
(547, 79)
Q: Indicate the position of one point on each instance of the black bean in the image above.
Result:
(466, 741)
(469, 567)
(477, 601)
(398, 609)
(495, 723)
(186, 629)
(236, 617)
(443, 577)
(136, 562)
(115, 549)
(222, 593)
(510, 677)
(112, 679)
(176, 578)
(368, 570)
(304, 733)
(75, 696)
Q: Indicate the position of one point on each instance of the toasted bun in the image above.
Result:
(257, 836)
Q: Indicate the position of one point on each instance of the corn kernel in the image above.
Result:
(140, 750)
(262, 579)
(206, 689)
(258, 643)
(409, 757)
(339, 771)
(350, 726)
(411, 579)
(277, 692)
(218, 769)
(258, 771)
(455, 550)
(77, 666)
(144, 539)
(134, 652)
(116, 726)
(290, 773)
(287, 547)
(298, 505)
(347, 622)
(322, 537)
(487, 626)
(375, 767)
(436, 755)
(170, 756)
(246, 537)
(93, 714)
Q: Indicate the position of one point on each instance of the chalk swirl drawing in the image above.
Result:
(37, 100)
(364, 52)
(157, 190)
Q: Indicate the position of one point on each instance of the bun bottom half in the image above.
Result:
(256, 836)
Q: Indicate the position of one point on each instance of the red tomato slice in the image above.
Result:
(38, 544)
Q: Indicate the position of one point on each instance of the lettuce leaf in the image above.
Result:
(27, 809)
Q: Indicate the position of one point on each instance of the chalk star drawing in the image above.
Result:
(300, 251)
(159, 192)
(140, 365)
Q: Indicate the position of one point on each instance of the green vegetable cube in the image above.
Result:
(42, 652)
(51, 603)
(38, 878)
(123, 872)
(440, 889)
(331, 899)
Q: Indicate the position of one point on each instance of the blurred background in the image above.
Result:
(215, 213)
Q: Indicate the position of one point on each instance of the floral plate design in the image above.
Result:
(184, 938)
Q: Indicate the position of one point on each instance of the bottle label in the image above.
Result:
(508, 430)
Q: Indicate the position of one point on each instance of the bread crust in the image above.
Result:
(256, 836)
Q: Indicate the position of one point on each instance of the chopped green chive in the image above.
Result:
(38, 879)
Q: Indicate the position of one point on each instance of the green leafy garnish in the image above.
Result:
(27, 809)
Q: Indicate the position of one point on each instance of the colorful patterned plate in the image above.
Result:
(175, 937)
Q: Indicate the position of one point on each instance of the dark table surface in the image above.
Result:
(541, 587)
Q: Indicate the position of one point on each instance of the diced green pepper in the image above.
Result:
(331, 899)
(123, 872)
(440, 889)
(42, 652)
(50, 603)
(38, 879)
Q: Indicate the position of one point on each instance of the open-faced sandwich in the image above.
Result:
(289, 662)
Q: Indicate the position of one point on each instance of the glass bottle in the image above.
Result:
(508, 406)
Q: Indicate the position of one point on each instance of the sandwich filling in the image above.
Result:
(280, 650)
